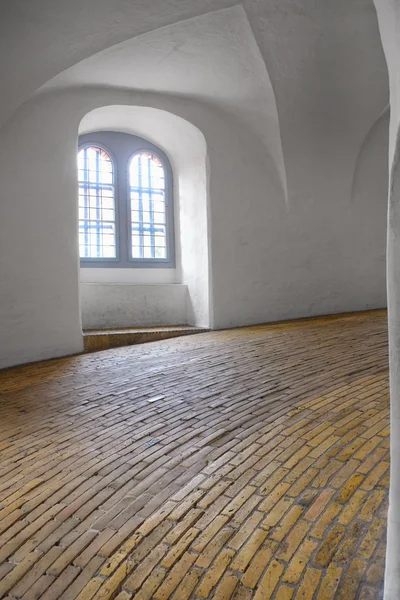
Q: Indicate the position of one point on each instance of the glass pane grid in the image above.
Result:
(148, 207)
(97, 231)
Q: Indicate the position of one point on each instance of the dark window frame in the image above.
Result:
(122, 147)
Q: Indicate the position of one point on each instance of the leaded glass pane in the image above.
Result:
(97, 231)
(148, 207)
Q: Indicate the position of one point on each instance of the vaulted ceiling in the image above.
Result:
(307, 76)
(328, 47)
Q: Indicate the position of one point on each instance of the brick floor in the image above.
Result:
(251, 463)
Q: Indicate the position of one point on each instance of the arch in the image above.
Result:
(186, 69)
(148, 204)
(96, 203)
(184, 144)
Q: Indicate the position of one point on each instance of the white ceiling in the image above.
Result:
(213, 58)
(41, 38)
(308, 72)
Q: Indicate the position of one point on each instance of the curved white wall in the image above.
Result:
(266, 262)
(275, 116)
(389, 23)
(44, 37)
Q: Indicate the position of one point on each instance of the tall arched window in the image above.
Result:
(148, 206)
(125, 202)
(97, 237)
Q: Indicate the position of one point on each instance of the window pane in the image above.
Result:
(159, 206)
(97, 233)
(148, 209)
(160, 240)
(159, 217)
(109, 252)
(161, 252)
(107, 215)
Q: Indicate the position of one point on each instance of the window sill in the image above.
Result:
(130, 276)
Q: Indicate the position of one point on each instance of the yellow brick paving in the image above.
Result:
(245, 464)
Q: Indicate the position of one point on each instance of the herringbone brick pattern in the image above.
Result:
(247, 464)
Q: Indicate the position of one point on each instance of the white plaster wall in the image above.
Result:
(196, 239)
(269, 255)
(40, 307)
(389, 23)
(315, 96)
(324, 254)
(264, 264)
(39, 304)
(267, 261)
(144, 276)
(108, 306)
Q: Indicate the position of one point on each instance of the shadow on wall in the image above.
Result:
(374, 150)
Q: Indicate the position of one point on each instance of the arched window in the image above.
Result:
(97, 238)
(125, 202)
(148, 206)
